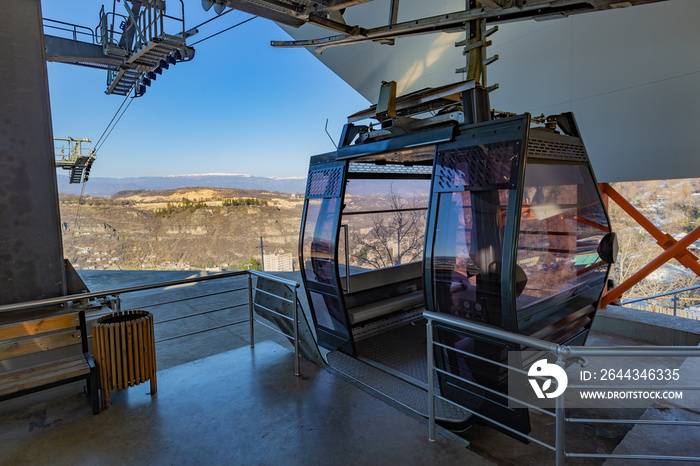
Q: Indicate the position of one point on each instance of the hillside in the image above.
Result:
(179, 228)
(197, 228)
(106, 187)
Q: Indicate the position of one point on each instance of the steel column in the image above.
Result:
(31, 248)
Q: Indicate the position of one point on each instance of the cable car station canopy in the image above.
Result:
(330, 14)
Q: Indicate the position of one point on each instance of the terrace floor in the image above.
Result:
(243, 406)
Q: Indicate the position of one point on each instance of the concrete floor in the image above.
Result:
(240, 407)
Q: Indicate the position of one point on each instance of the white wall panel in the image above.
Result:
(631, 76)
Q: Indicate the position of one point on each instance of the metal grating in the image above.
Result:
(484, 166)
(398, 390)
(390, 169)
(543, 149)
(325, 182)
(402, 349)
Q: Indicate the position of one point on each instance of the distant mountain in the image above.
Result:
(106, 187)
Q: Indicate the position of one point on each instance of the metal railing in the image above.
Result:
(670, 304)
(105, 29)
(75, 30)
(563, 353)
(148, 24)
(113, 300)
(294, 319)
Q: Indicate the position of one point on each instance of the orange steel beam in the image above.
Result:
(673, 249)
(606, 199)
(664, 240)
(660, 260)
(591, 223)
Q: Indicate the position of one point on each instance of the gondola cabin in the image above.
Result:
(445, 208)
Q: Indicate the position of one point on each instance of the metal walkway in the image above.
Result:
(399, 376)
(131, 43)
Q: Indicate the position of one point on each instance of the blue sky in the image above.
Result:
(240, 106)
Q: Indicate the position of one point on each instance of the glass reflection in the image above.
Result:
(560, 228)
(318, 239)
(467, 254)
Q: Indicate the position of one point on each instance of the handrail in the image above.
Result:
(562, 352)
(249, 273)
(661, 295)
(465, 324)
(118, 291)
(284, 281)
(74, 29)
(107, 30)
(567, 351)
(295, 311)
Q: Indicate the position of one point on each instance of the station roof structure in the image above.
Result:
(627, 69)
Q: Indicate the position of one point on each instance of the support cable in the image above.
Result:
(110, 126)
(224, 30)
(76, 226)
(212, 19)
(110, 122)
(114, 125)
(100, 142)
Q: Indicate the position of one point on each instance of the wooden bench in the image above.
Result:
(378, 293)
(52, 337)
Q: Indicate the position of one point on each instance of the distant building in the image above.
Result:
(279, 262)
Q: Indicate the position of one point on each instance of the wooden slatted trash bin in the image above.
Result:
(125, 351)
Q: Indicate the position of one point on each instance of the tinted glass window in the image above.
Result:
(318, 239)
(328, 312)
(562, 222)
(386, 222)
(467, 254)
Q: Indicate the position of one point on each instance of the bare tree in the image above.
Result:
(637, 249)
(395, 237)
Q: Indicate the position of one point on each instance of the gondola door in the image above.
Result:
(470, 270)
(319, 254)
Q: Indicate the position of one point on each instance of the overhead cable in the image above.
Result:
(212, 19)
(110, 122)
(115, 124)
(224, 30)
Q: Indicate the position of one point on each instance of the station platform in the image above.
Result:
(243, 406)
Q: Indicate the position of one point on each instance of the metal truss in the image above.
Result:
(672, 249)
(326, 14)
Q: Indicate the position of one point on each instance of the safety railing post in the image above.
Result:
(295, 316)
(250, 308)
(431, 387)
(675, 304)
(560, 419)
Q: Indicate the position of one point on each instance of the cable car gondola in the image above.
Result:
(448, 207)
